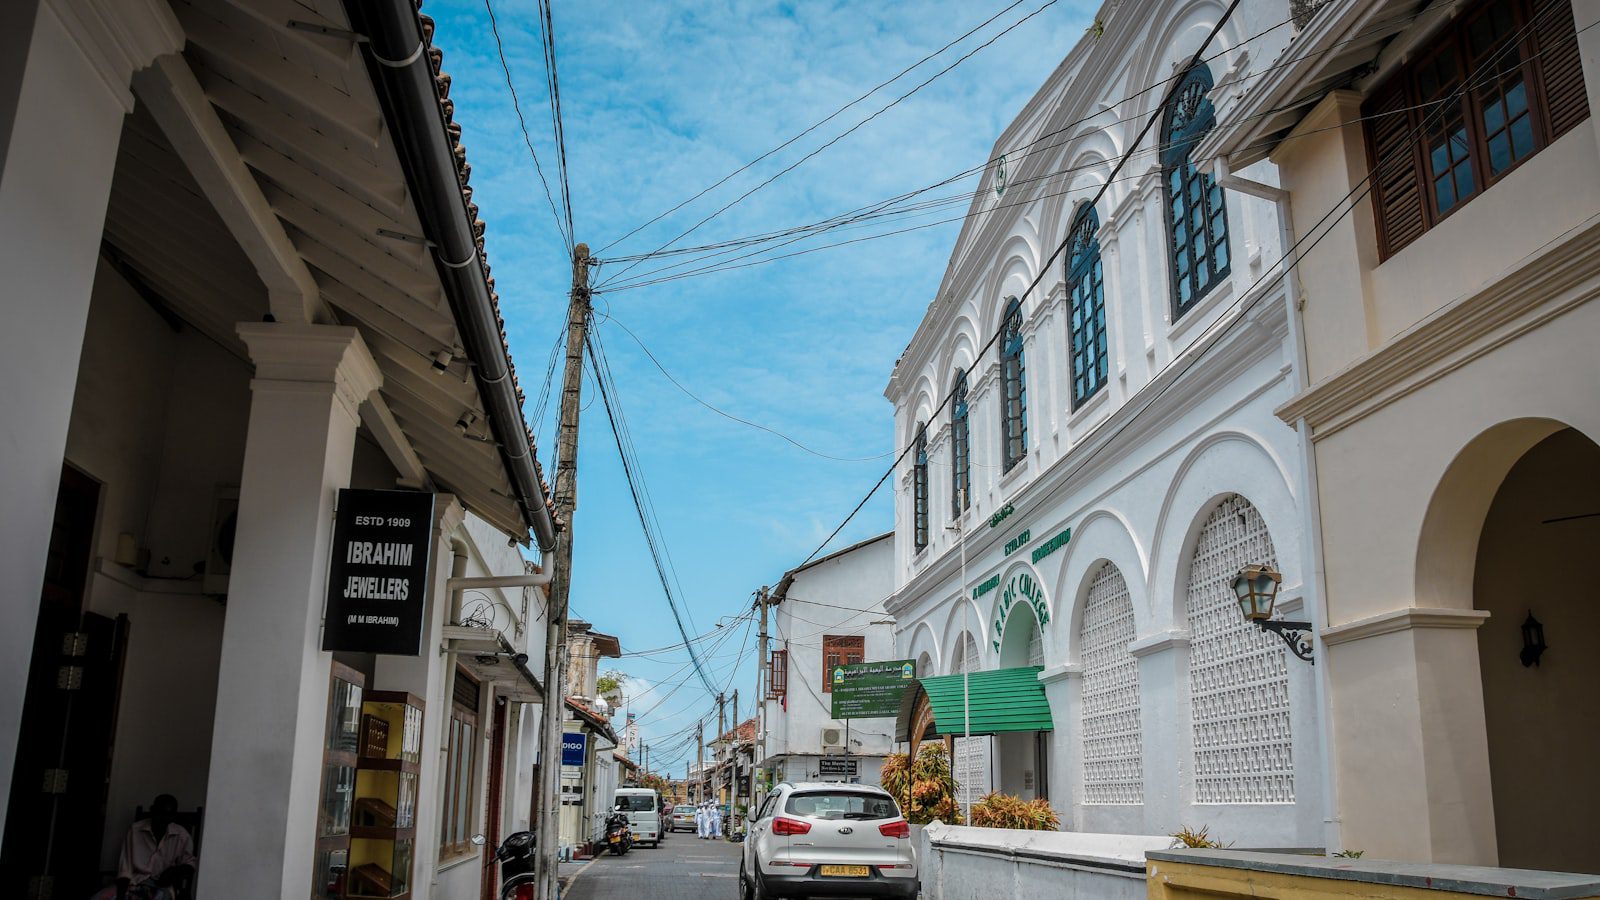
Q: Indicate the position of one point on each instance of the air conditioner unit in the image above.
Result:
(219, 556)
(832, 740)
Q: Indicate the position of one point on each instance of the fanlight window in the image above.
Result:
(1087, 294)
(1014, 396)
(1197, 217)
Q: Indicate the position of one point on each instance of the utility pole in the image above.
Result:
(699, 757)
(566, 501)
(763, 661)
(722, 729)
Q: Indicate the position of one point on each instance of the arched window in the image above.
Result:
(960, 448)
(920, 489)
(1014, 389)
(1197, 218)
(1238, 676)
(1113, 768)
(1087, 294)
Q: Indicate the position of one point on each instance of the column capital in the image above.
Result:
(313, 354)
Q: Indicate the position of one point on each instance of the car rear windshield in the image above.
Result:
(841, 805)
(683, 810)
(636, 802)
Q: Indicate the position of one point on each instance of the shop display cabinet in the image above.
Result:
(384, 822)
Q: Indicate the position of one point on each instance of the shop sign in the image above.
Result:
(838, 767)
(1052, 545)
(1023, 587)
(1004, 513)
(1016, 543)
(572, 746)
(870, 690)
(987, 585)
(378, 575)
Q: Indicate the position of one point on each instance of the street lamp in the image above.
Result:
(1256, 586)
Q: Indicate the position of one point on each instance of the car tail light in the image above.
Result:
(780, 825)
(522, 892)
(895, 829)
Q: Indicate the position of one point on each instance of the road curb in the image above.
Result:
(565, 881)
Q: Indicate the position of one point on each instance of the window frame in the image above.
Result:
(840, 650)
(1013, 371)
(960, 447)
(1454, 37)
(458, 807)
(1081, 264)
(778, 675)
(1179, 138)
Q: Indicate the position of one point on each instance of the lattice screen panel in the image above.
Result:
(1113, 773)
(1238, 675)
(971, 765)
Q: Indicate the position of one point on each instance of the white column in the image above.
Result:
(272, 692)
(1165, 723)
(61, 148)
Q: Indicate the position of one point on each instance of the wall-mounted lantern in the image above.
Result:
(1533, 645)
(1256, 586)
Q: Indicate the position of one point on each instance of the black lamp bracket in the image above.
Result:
(1296, 634)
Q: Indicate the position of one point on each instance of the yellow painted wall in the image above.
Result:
(1185, 881)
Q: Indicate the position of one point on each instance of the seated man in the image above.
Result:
(157, 856)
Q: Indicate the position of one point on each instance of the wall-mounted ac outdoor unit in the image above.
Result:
(833, 740)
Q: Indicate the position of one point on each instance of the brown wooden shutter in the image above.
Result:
(1566, 98)
(778, 680)
(1396, 179)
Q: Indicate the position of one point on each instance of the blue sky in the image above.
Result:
(659, 100)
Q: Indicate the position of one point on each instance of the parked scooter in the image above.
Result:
(619, 832)
(516, 858)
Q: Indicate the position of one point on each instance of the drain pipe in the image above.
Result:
(1315, 583)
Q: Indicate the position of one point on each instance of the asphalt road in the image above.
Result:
(682, 868)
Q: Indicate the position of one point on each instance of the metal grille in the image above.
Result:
(1238, 676)
(1113, 773)
(1036, 646)
(972, 754)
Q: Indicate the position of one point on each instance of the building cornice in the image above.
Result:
(1530, 294)
(1403, 620)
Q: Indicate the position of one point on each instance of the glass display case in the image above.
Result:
(337, 804)
(384, 809)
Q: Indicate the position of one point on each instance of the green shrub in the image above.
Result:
(1007, 811)
(925, 792)
(1197, 840)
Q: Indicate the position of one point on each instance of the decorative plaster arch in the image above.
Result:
(1228, 462)
(923, 640)
(1164, 52)
(1103, 536)
(1447, 547)
(1020, 585)
(956, 625)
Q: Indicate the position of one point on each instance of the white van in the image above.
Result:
(643, 806)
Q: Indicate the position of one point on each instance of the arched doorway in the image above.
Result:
(1113, 749)
(1535, 558)
(1022, 758)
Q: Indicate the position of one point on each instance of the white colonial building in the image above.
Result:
(1098, 427)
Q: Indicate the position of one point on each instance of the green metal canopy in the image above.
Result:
(1001, 700)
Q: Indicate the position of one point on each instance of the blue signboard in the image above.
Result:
(572, 748)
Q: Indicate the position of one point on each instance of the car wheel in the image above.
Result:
(745, 891)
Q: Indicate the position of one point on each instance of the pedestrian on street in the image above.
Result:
(701, 823)
(716, 820)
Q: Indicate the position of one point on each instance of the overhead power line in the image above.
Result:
(516, 105)
(844, 134)
(813, 127)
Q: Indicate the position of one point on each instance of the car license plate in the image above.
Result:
(845, 871)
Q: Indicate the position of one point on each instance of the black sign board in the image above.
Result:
(378, 576)
(838, 766)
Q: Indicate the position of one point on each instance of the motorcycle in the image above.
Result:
(619, 832)
(516, 856)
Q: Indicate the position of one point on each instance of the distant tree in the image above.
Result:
(609, 686)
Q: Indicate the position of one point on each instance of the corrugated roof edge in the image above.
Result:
(417, 108)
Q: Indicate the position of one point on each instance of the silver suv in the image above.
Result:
(840, 840)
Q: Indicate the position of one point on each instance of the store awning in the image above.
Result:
(1001, 700)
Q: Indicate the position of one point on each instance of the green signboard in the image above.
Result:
(870, 690)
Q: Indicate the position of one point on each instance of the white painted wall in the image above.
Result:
(1137, 468)
(957, 863)
(838, 595)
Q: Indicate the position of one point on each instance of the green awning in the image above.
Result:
(1001, 700)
